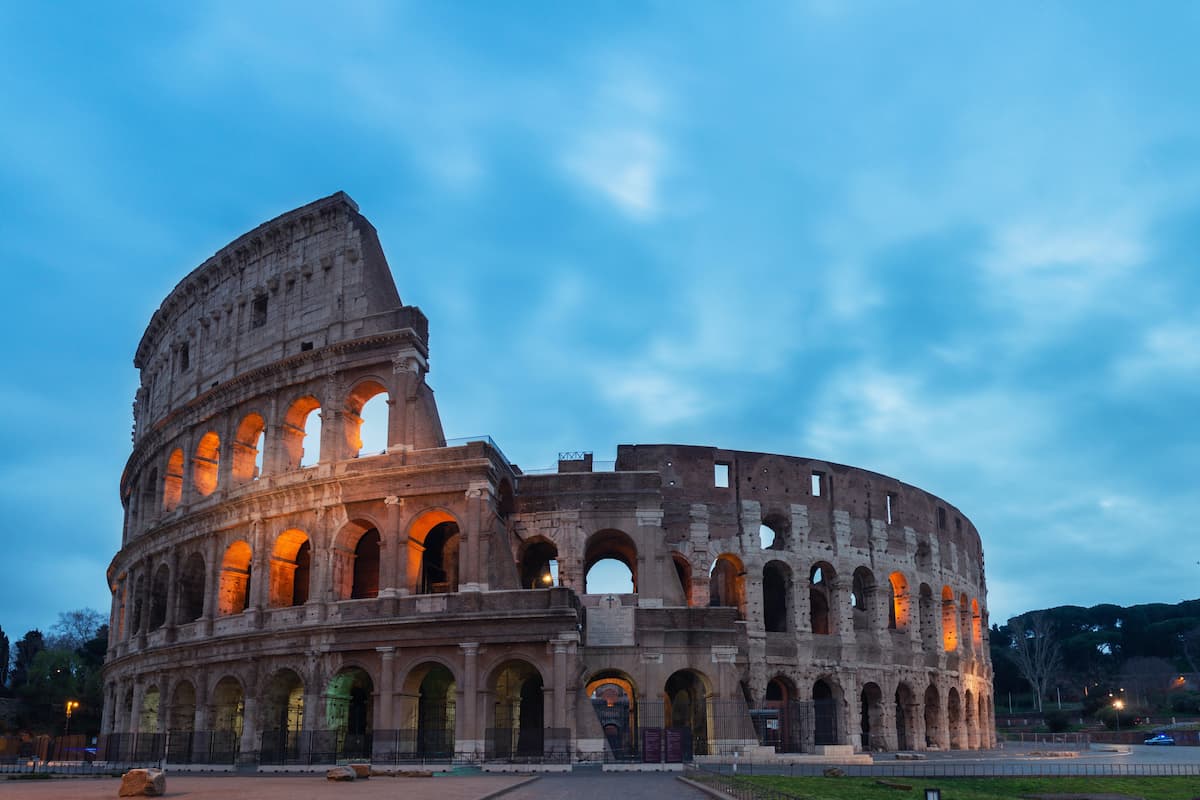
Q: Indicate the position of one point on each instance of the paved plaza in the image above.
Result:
(584, 783)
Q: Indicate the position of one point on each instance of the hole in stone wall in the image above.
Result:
(721, 476)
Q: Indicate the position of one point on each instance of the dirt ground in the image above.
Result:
(300, 787)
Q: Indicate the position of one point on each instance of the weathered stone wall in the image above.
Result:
(257, 586)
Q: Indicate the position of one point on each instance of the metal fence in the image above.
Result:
(962, 769)
(528, 745)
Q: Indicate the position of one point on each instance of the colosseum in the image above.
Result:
(283, 596)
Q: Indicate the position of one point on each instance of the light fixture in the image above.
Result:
(933, 794)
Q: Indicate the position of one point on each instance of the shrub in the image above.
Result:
(1109, 716)
(1058, 721)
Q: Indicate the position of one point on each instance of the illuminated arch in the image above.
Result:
(173, 481)
(367, 411)
(291, 566)
(234, 592)
(301, 436)
(248, 447)
(205, 464)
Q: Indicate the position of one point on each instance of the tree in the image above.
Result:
(75, 628)
(4, 654)
(1035, 651)
(28, 647)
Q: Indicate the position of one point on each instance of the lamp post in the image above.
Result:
(1117, 706)
(71, 706)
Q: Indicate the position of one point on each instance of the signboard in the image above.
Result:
(652, 745)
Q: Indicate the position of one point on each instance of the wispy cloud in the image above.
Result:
(1166, 352)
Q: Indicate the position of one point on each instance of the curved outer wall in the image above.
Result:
(275, 585)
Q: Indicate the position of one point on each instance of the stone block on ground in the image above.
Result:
(143, 783)
(362, 771)
(340, 774)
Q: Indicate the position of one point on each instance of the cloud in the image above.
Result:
(656, 398)
(1169, 351)
(623, 165)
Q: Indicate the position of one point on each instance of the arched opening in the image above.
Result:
(777, 591)
(781, 723)
(985, 723)
(612, 694)
(191, 589)
(435, 711)
(173, 481)
(905, 704)
(348, 711)
(727, 583)
(519, 712)
(825, 716)
(539, 564)
(954, 719)
(366, 566)
(928, 619)
(976, 624)
(773, 532)
(228, 707)
(872, 718)
(900, 607)
(933, 717)
(367, 420)
(971, 724)
(233, 596)
(248, 449)
(204, 465)
(964, 620)
(686, 695)
(683, 571)
(139, 590)
(282, 717)
(439, 562)
(949, 621)
(148, 718)
(301, 433)
(820, 599)
(182, 718)
(291, 561)
(149, 495)
(602, 550)
(862, 598)
(158, 597)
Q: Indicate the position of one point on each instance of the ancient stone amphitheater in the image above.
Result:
(282, 596)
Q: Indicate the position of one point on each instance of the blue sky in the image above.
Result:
(956, 244)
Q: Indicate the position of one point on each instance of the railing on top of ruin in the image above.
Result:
(597, 466)
(459, 441)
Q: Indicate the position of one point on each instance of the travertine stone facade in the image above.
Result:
(275, 582)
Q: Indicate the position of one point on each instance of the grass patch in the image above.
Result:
(1151, 788)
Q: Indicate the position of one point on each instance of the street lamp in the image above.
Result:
(1117, 706)
(71, 706)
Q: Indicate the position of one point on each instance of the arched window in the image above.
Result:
(191, 589)
(539, 564)
(158, 597)
(610, 564)
(900, 606)
(928, 619)
(439, 562)
(366, 566)
(862, 598)
(683, 571)
(727, 583)
(204, 465)
(234, 594)
(248, 449)
(777, 589)
(976, 624)
(367, 420)
(772, 533)
(290, 566)
(302, 433)
(173, 482)
(949, 621)
(820, 599)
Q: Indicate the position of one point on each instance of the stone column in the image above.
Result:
(172, 615)
(387, 682)
(470, 735)
(472, 536)
(560, 683)
(212, 584)
(393, 544)
(314, 713)
(260, 571)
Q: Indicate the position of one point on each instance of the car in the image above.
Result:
(1160, 738)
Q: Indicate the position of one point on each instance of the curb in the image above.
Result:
(708, 790)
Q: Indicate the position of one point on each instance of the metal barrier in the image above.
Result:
(528, 745)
